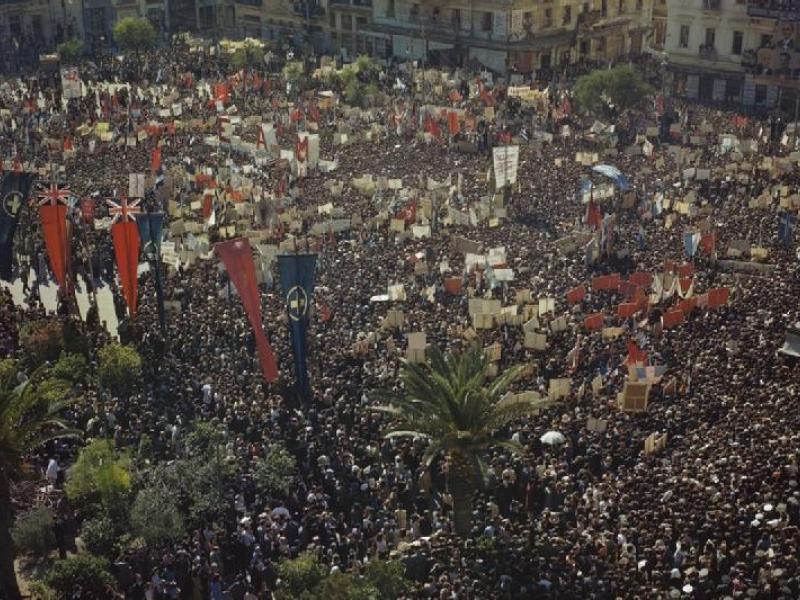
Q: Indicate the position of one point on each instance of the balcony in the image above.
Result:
(708, 53)
(784, 10)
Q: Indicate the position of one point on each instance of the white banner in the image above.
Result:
(70, 82)
(506, 162)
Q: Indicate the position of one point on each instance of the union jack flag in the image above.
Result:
(53, 195)
(122, 210)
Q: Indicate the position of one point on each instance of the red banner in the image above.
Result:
(577, 294)
(87, 210)
(672, 318)
(301, 149)
(688, 305)
(718, 297)
(237, 256)
(686, 270)
(56, 240)
(452, 123)
(155, 160)
(125, 235)
(593, 322)
(641, 278)
(453, 285)
(636, 354)
(708, 242)
(627, 309)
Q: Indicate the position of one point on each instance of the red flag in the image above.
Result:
(237, 256)
(453, 285)
(301, 149)
(636, 354)
(641, 278)
(566, 106)
(87, 210)
(593, 322)
(432, 127)
(207, 206)
(718, 297)
(455, 97)
(686, 270)
(627, 309)
(627, 288)
(54, 228)
(708, 242)
(221, 93)
(325, 313)
(672, 318)
(313, 113)
(576, 294)
(155, 160)
(594, 217)
(688, 305)
(296, 116)
(125, 235)
(68, 144)
(452, 123)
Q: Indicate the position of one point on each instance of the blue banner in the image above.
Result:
(297, 281)
(614, 174)
(150, 233)
(13, 196)
(786, 226)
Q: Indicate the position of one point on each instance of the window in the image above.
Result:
(390, 8)
(332, 19)
(738, 39)
(603, 8)
(639, 4)
(455, 16)
(766, 40)
(435, 14)
(414, 11)
(347, 22)
(621, 7)
(487, 22)
(585, 8)
(567, 16)
(15, 24)
(710, 35)
(548, 17)
(584, 47)
(545, 60)
(683, 40)
(361, 22)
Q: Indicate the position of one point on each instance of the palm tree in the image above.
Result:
(28, 420)
(450, 404)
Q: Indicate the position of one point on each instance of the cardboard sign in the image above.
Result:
(634, 396)
(535, 341)
(559, 388)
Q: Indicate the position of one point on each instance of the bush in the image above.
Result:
(273, 473)
(42, 341)
(86, 572)
(70, 367)
(299, 575)
(100, 475)
(99, 537)
(155, 517)
(8, 369)
(39, 591)
(387, 577)
(120, 367)
(69, 51)
(33, 532)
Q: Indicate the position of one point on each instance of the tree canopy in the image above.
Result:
(134, 35)
(619, 88)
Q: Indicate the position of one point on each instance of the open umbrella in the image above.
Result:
(553, 438)
(614, 174)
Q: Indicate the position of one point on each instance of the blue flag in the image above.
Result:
(786, 226)
(150, 228)
(691, 241)
(13, 196)
(297, 282)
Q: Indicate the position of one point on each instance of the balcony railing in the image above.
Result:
(708, 53)
(786, 10)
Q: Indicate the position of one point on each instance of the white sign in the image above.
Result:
(70, 82)
(506, 162)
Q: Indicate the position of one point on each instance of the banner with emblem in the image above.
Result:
(297, 281)
(13, 195)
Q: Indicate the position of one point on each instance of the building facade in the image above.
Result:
(735, 51)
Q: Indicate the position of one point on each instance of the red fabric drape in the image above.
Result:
(237, 257)
(125, 236)
(54, 228)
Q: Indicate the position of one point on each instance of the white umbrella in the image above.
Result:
(280, 511)
(553, 438)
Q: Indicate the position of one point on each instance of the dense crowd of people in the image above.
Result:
(714, 514)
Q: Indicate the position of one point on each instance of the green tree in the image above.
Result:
(99, 537)
(100, 476)
(70, 367)
(34, 532)
(134, 35)
(70, 51)
(248, 55)
(299, 576)
(42, 341)
(273, 473)
(387, 577)
(27, 422)
(450, 403)
(120, 367)
(621, 87)
(86, 572)
(155, 516)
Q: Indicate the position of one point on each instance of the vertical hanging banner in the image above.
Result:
(297, 282)
(150, 230)
(13, 195)
(53, 213)
(125, 235)
(237, 256)
(506, 163)
(70, 82)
